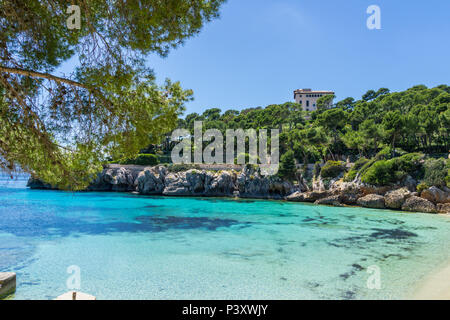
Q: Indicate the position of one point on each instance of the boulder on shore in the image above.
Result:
(330, 201)
(349, 198)
(115, 178)
(151, 180)
(395, 199)
(220, 184)
(417, 204)
(251, 183)
(372, 201)
(123, 180)
(349, 192)
(443, 208)
(410, 183)
(366, 189)
(311, 196)
(436, 195)
(296, 197)
(176, 184)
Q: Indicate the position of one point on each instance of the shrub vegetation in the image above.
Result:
(436, 172)
(143, 160)
(332, 169)
(386, 172)
(422, 186)
(351, 174)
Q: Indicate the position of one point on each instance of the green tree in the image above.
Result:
(369, 95)
(393, 124)
(287, 165)
(371, 135)
(413, 120)
(212, 114)
(347, 103)
(381, 92)
(325, 102)
(353, 140)
(333, 120)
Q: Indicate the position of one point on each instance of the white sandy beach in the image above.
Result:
(436, 286)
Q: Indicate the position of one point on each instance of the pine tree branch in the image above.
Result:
(48, 76)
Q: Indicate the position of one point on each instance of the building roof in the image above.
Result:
(312, 91)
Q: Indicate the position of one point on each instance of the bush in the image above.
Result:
(332, 169)
(410, 163)
(380, 173)
(366, 166)
(164, 159)
(436, 172)
(385, 172)
(422, 186)
(144, 160)
(287, 165)
(386, 153)
(351, 175)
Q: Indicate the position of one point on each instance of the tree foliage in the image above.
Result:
(287, 165)
(385, 172)
(414, 120)
(332, 169)
(62, 128)
(437, 172)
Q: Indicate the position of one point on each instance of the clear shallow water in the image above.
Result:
(134, 247)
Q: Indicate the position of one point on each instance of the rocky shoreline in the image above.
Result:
(249, 183)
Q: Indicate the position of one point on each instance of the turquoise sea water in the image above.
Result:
(134, 247)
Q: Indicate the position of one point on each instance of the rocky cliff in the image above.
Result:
(249, 183)
(400, 196)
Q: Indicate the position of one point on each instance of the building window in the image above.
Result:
(307, 103)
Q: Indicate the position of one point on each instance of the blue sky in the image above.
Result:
(258, 52)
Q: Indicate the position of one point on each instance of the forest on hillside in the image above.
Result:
(414, 120)
(389, 136)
